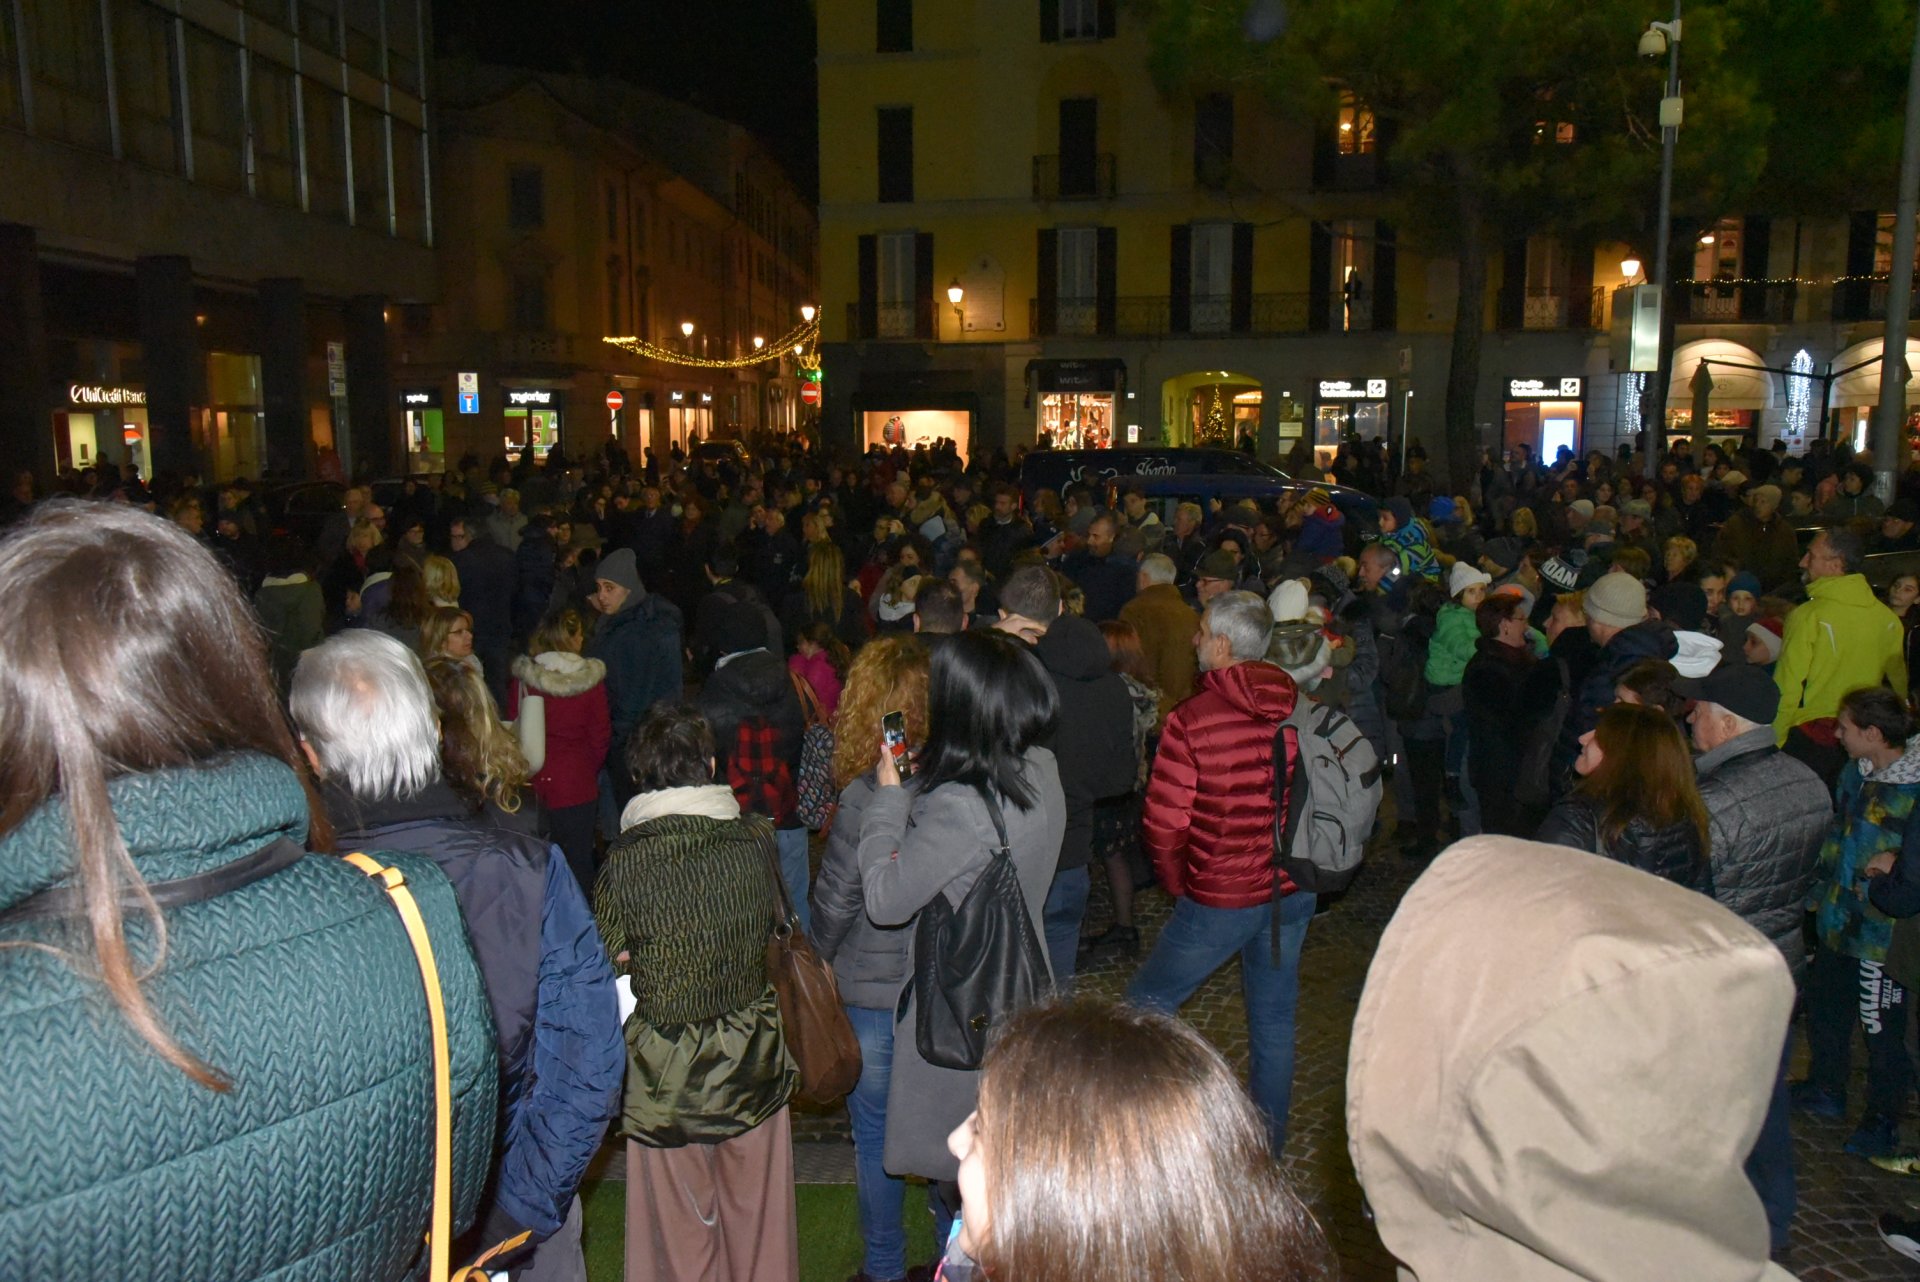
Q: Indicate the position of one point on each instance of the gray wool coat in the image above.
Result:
(1767, 814)
(914, 846)
(869, 962)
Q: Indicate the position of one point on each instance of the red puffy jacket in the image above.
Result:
(1209, 811)
(579, 727)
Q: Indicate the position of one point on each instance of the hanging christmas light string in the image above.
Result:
(801, 337)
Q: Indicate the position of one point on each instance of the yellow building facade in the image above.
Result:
(1021, 236)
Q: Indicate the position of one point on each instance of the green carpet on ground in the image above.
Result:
(829, 1230)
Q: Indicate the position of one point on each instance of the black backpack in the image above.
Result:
(975, 965)
(1403, 669)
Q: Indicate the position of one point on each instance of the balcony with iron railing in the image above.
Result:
(1152, 316)
(1071, 176)
(892, 320)
(1731, 302)
(1864, 298)
(1552, 307)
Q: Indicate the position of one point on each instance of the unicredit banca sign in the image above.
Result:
(99, 394)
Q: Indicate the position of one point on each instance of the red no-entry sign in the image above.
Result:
(809, 393)
(615, 400)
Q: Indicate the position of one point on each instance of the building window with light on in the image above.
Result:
(1355, 121)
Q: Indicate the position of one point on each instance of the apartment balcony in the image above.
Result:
(1152, 316)
(1074, 177)
(1735, 302)
(535, 348)
(1340, 171)
(1552, 308)
(1864, 298)
(891, 321)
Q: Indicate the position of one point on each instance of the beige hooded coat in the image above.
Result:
(1558, 1067)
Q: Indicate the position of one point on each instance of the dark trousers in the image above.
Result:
(1427, 762)
(1825, 759)
(1770, 1165)
(572, 828)
(1843, 991)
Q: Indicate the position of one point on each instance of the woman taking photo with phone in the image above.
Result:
(989, 704)
(869, 962)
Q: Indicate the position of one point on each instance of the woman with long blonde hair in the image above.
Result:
(443, 581)
(479, 757)
(869, 962)
(447, 633)
(823, 596)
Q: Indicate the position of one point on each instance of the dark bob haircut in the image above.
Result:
(988, 701)
(672, 748)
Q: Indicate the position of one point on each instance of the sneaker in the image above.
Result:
(1899, 1164)
(1877, 1136)
(1900, 1233)
(1807, 1097)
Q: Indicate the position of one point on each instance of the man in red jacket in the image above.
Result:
(1209, 825)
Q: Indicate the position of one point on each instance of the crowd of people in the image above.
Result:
(618, 726)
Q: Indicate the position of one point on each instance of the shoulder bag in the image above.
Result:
(440, 1227)
(975, 965)
(819, 1036)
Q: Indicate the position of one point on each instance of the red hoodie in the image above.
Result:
(1209, 812)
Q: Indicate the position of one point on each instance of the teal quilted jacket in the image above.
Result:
(301, 988)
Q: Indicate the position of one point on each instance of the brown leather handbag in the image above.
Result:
(819, 1036)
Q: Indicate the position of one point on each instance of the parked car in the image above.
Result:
(301, 510)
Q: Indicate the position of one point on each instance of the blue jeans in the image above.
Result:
(881, 1196)
(1066, 908)
(796, 872)
(1198, 941)
(1770, 1165)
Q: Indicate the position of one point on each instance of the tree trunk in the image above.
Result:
(1463, 368)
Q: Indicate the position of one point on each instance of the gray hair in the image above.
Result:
(1158, 568)
(360, 700)
(1244, 620)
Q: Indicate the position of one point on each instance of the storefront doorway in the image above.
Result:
(1545, 415)
(1213, 408)
(918, 429)
(532, 421)
(426, 429)
(102, 425)
(1349, 409)
(1075, 402)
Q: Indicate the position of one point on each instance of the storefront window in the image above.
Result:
(916, 428)
(1722, 424)
(1077, 420)
(531, 429)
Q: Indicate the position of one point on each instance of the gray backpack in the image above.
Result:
(1329, 799)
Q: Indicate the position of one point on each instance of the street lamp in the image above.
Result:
(806, 312)
(1659, 38)
(1629, 269)
(758, 342)
(954, 295)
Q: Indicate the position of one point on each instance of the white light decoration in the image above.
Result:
(1632, 388)
(1799, 392)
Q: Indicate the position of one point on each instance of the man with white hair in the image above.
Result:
(1767, 813)
(368, 725)
(1166, 624)
(1208, 825)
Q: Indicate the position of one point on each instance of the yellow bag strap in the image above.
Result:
(440, 1230)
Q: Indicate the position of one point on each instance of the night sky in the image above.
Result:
(750, 61)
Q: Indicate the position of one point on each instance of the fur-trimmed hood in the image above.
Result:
(559, 673)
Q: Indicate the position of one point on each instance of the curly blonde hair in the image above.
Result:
(888, 675)
(478, 755)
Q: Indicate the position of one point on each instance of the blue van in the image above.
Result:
(1170, 477)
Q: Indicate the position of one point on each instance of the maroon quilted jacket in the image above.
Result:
(1209, 811)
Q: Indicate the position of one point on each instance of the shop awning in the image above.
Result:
(1098, 374)
(1737, 384)
(1862, 386)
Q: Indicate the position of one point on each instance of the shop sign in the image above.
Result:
(530, 396)
(101, 394)
(677, 397)
(706, 398)
(420, 398)
(1353, 389)
(1543, 389)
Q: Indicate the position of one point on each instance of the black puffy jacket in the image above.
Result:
(1672, 852)
(1093, 740)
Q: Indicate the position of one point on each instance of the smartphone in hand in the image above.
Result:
(893, 732)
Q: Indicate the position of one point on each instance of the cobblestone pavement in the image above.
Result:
(1834, 1238)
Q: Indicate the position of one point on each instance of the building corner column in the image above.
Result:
(175, 368)
(370, 401)
(283, 375)
(26, 431)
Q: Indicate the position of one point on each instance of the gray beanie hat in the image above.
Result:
(1617, 599)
